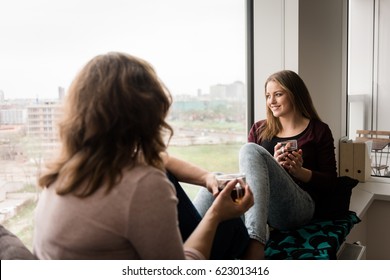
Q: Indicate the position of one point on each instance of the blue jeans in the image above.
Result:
(231, 237)
(279, 201)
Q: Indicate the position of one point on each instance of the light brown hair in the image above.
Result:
(114, 118)
(299, 96)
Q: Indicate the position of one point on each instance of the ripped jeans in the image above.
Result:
(278, 201)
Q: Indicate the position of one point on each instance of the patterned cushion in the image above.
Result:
(320, 239)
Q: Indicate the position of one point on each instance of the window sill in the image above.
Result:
(365, 193)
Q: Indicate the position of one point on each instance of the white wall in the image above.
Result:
(360, 59)
(383, 116)
(373, 231)
(369, 64)
(322, 58)
(378, 231)
(276, 43)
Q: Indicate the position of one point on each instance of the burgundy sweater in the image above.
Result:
(317, 145)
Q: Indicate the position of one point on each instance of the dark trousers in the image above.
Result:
(231, 237)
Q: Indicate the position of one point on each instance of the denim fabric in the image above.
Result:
(279, 201)
(231, 237)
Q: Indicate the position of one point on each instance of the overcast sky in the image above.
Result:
(191, 44)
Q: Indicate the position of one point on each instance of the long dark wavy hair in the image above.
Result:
(299, 96)
(114, 118)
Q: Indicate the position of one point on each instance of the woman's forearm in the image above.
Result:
(185, 171)
(203, 236)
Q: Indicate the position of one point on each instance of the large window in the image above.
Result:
(369, 69)
(198, 49)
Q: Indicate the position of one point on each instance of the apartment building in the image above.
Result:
(42, 123)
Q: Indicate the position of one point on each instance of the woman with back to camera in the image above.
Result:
(107, 196)
(285, 184)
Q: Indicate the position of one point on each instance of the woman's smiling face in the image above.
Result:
(278, 100)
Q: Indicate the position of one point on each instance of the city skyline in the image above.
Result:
(234, 89)
(45, 43)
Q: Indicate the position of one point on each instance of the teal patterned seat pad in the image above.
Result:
(318, 240)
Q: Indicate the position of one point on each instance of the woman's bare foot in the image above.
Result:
(254, 251)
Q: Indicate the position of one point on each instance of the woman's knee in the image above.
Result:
(248, 147)
(253, 148)
(252, 151)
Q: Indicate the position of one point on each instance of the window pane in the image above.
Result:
(360, 67)
(197, 48)
(383, 116)
(369, 87)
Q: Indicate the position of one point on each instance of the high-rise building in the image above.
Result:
(42, 123)
(61, 93)
(233, 91)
